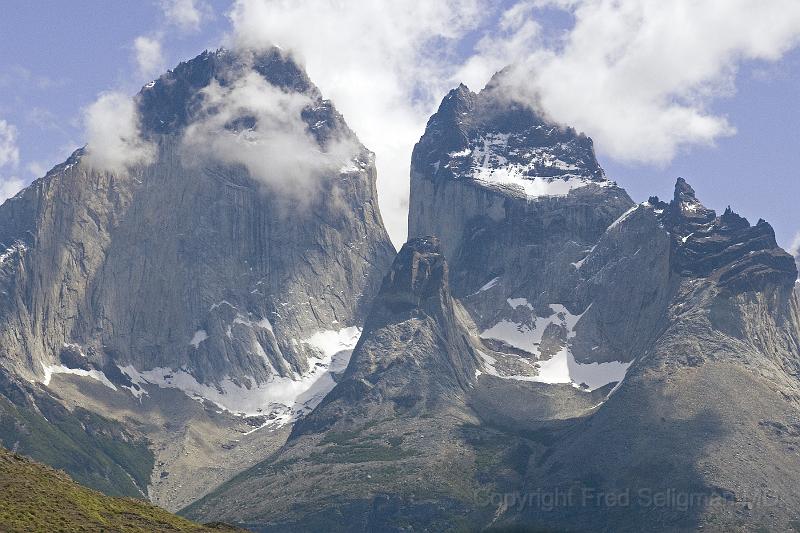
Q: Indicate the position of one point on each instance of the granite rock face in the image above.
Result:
(386, 446)
(699, 433)
(691, 318)
(133, 293)
(186, 266)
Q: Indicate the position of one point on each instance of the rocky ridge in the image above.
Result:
(676, 308)
(190, 274)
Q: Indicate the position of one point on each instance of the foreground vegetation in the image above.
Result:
(38, 498)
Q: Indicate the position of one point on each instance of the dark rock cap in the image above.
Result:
(419, 272)
(169, 103)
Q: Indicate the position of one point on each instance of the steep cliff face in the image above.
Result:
(388, 445)
(189, 271)
(194, 299)
(519, 204)
(702, 432)
(569, 282)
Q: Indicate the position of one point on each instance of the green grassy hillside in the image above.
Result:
(95, 451)
(38, 498)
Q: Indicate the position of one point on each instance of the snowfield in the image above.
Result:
(286, 397)
(490, 165)
(560, 367)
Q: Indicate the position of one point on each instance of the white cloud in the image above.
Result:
(37, 168)
(149, 55)
(385, 64)
(639, 75)
(9, 187)
(188, 15)
(112, 130)
(276, 148)
(9, 157)
(516, 34)
(794, 248)
(9, 152)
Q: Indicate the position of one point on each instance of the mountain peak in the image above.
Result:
(740, 256)
(685, 205)
(683, 191)
(168, 104)
(504, 145)
(419, 272)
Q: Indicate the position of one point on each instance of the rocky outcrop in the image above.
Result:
(727, 248)
(413, 352)
(669, 309)
(135, 293)
(186, 264)
(386, 446)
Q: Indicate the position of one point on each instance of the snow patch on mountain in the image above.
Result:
(199, 336)
(17, 247)
(491, 283)
(297, 394)
(560, 367)
(51, 370)
(263, 323)
(501, 159)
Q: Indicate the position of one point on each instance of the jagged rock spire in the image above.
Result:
(419, 272)
(742, 257)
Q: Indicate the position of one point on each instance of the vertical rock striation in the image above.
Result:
(187, 263)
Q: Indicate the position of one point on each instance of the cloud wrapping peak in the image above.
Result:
(114, 139)
(385, 64)
(9, 187)
(794, 249)
(255, 124)
(639, 75)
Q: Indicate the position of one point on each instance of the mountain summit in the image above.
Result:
(666, 309)
(384, 431)
(200, 271)
(224, 327)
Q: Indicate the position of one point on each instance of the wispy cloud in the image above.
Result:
(187, 15)
(794, 249)
(9, 187)
(17, 75)
(259, 126)
(112, 130)
(36, 168)
(9, 160)
(640, 75)
(149, 56)
(9, 152)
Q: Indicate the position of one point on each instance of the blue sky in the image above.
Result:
(59, 56)
(757, 170)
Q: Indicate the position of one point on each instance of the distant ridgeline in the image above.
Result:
(184, 331)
